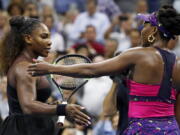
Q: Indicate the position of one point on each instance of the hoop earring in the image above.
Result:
(151, 38)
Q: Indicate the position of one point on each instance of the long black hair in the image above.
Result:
(13, 42)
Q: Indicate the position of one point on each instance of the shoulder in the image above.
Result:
(20, 71)
(136, 54)
(137, 50)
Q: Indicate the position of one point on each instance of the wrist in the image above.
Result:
(61, 109)
(52, 69)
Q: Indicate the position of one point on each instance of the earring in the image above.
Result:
(151, 38)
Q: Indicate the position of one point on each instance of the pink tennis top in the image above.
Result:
(144, 109)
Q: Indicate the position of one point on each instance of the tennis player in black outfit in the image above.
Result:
(29, 114)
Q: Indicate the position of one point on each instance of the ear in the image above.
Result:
(155, 30)
(28, 39)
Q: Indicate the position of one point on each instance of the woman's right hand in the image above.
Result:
(75, 113)
(39, 68)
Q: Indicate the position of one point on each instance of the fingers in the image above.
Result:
(36, 70)
(35, 73)
(75, 112)
(32, 70)
(82, 120)
(83, 115)
(32, 67)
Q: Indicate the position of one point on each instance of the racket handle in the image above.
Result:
(61, 119)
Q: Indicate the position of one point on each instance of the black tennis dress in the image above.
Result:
(18, 123)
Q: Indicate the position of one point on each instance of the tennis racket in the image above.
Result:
(65, 83)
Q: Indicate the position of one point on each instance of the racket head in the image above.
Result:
(65, 82)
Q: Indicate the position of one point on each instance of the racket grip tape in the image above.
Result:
(61, 111)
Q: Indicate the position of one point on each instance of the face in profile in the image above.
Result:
(40, 40)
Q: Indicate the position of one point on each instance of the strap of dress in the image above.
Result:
(166, 84)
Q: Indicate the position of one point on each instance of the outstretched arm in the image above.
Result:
(107, 67)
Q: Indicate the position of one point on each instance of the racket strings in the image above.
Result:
(69, 82)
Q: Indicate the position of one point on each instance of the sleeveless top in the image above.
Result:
(14, 106)
(154, 100)
(18, 123)
(164, 93)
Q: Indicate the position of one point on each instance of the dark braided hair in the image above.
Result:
(13, 42)
(170, 20)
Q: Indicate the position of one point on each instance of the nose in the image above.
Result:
(49, 43)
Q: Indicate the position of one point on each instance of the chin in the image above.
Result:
(44, 55)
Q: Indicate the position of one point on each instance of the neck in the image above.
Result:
(160, 44)
(29, 54)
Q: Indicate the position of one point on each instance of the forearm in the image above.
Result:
(109, 104)
(36, 107)
(82, 71)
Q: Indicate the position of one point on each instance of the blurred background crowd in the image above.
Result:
(93, 28)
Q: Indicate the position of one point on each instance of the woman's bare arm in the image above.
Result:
(107, 67)
(110, 101)
(26, 91)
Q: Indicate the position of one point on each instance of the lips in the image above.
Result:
(48, 49)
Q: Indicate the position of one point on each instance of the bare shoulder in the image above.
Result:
(137, 52)
(20, 70)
